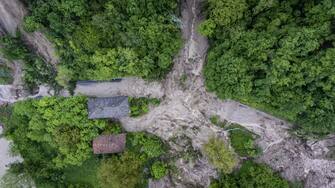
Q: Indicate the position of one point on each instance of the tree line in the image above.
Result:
(277, 56)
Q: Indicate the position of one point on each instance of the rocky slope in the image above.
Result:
(12, 13)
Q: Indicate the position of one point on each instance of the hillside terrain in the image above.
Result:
(178, 133)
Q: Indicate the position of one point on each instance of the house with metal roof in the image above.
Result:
(109, 144)
(110, 107)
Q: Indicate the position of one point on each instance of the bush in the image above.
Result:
(113, 127)
(251, 175)
(216, 121)
(220, 155)
(12, 48)
(243, 142)
(147, 146)
(140, 106)
(158, 170)
(5, 75)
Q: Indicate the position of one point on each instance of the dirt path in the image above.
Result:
(183, 117)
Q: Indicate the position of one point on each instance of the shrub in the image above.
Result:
(251, 175)
(113, 127)
(147, 146)
(5, 75)
(220, 155)
(158, 170)
(243, 142)
(140, 106)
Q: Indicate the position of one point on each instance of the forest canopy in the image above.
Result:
(54, 137)
(278, 56)
(105, 39)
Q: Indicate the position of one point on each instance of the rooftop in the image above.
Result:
(111, 107)
(109, 144)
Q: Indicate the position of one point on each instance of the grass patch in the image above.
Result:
(140, 106)
(243, 141)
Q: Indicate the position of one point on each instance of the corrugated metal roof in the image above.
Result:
(109, 144)
(111, 107)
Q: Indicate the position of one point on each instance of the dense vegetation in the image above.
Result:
(140, 106)
(130, 169)
(105, 39)
(251, 175)
(54, 135)
(277, 56)
(51, 134)
(36, 71)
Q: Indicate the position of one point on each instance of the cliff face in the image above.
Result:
(12, 13)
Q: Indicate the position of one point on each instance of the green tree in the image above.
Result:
(277, 57)
(60, 124)
(120, 171)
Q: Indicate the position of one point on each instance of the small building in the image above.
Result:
(110, 107)
(105, 144)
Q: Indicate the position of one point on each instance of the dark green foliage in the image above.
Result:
(83, 176)
(216, 121)
(113, 127)
(5, 75)
(5, 113)
(36, 71)
(140, 106)
(277, 56)
(251, 175)
(243, 141)
(51, 134)
(12, 48)
(128, 169)
(147, 146)
(105, 39)
(121, 171)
